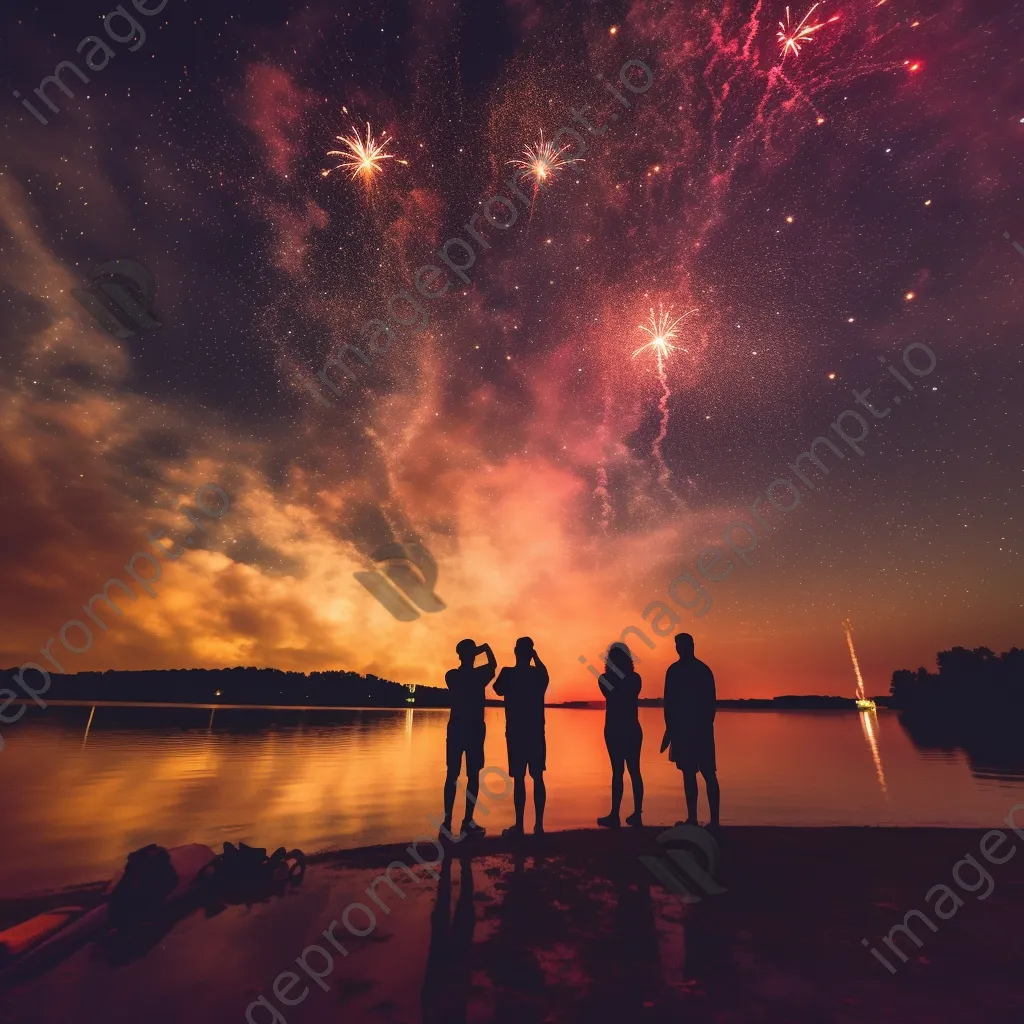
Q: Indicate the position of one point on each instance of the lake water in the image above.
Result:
(83, 787)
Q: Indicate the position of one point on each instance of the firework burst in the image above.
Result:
(543, 162)
(791, 38)
(362, 158)
(662, 330)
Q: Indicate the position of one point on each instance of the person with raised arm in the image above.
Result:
(466, 732)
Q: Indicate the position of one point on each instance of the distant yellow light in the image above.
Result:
(789, 220)
(909, 296)
(927, 202)
(613, 30)
(831, 376)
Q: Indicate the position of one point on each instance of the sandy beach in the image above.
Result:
(572, 927)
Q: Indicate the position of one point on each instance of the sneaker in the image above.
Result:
(471, 828)
(609, 821)
(635, 820)
(512, 832)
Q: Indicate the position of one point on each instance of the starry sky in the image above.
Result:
(809, 215)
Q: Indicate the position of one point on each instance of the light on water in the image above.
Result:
(318, 779)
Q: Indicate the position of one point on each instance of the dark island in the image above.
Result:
(967, 682)
(974, 703)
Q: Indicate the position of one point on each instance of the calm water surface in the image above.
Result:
(80, 794)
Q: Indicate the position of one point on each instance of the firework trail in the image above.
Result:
(601, 490)
(663, 472)
(869, 716)
(853, 655)
(663, 332)
(746, 82)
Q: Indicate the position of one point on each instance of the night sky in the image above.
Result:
(811, 215)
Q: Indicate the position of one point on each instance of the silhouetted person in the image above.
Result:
(690, 726)
(523, 687)
(622, 733)
(466, 730)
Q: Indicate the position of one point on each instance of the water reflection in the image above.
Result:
(86, 785)
(869, 724)
(994, 746)
(92, 712)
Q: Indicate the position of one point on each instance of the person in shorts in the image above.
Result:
(523, 686)
(690, 704)
(466, 730)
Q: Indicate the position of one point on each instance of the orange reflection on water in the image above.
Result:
(869, 723)
(316, 779)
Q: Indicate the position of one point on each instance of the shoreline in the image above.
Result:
(727, 704)
(555, 841)
(573, 926)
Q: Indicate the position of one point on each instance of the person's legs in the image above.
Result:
(611, 820)
(690, 789)
(474, 766)
(519, 798)
(472, 791)
(714, 794)
(540, 798)
(638, 785)
(455, 747)
(453, 757)
(451, 783)
(618, 770)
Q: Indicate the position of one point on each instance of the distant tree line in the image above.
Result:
(966, 680)
(240, 686)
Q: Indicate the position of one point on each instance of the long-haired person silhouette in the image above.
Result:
(466, 730)
(622, 733)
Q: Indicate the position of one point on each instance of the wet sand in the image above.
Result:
(571, 927)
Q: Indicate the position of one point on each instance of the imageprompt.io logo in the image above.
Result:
(120, 298)
(404, 580)
(683, 873)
